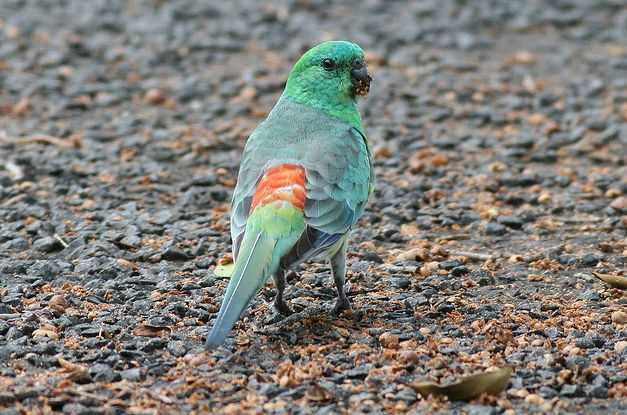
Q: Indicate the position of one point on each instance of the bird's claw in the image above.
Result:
(281, 307)
(340, 306)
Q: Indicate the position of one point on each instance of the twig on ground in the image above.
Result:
(15, 199)
(395, 268)
(451, 237)
(74, 141)
(579, 221)
(472, 255)
(61, 241)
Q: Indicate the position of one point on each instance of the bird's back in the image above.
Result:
(332, 154)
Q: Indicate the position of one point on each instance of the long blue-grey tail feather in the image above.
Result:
(252, 269)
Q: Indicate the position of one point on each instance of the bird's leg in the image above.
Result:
(279, 302)
(338, 268)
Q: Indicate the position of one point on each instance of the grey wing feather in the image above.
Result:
(337, 163)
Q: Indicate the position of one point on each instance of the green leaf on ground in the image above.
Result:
(469, 387)
(615, 281)
(224, 270)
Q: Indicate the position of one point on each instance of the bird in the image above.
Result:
(305, 176)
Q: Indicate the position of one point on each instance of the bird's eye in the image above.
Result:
(328, 64)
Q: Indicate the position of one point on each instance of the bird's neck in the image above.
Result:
(342, 107)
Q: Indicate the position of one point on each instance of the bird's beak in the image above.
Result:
(361, 80)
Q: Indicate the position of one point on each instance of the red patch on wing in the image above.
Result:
(283, 182)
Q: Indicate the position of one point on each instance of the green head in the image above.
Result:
(329, 77)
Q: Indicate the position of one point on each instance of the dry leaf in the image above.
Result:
(76, 372)
(58, 303)
(439, 160)
(522, 57)
(409, 229)
(342, 332)
(492, 383)
(619, 317)
(535, 277)
(615, 281)
(22, 107)
(46, 330)
(147, 330)
(69, 366)
(317, 393)
(389, 340)
(414, 254)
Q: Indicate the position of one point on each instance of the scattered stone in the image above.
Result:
(619, 204)
(449, 264)
(590, 260)
(132, 375)
(400, 282)
(103, 373)
(47, 244)
(177, 348)
(496, 229)
(513, 222)
(597, 391)
(572, 391)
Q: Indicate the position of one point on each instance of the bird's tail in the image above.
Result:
(273, 227)
(253, 267)
(271, 232)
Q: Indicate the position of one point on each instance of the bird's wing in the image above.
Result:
(338, 170)
(338, 180)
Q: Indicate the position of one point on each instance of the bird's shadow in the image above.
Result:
(318, 323)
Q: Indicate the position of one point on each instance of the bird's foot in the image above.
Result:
(280, 310)
(281, 307)
(342, 304)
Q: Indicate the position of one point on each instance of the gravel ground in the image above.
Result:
(500, 133)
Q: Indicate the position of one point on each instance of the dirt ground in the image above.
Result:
(500, 136)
